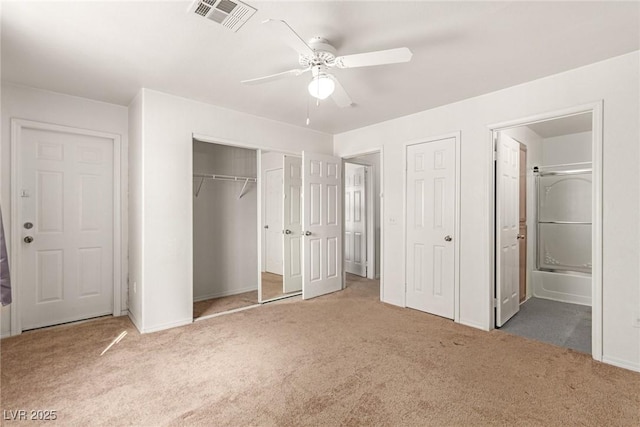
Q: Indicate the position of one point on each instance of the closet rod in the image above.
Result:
(204, 176)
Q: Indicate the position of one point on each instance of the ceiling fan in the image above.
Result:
(318, 56)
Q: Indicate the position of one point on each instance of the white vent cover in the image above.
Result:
(229, 13)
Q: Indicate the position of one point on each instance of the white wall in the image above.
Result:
(50, 107)
(55, 108)
(136, 209)
(572, 148)
(373, 159)
(169, 122)
(225, 260)
(533, 141)
(614, 81)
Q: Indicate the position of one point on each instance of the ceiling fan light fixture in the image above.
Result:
(321, 86)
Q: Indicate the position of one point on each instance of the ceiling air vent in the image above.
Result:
(228, 13)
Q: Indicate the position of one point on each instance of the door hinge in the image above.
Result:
(495, 156)
(495, 303)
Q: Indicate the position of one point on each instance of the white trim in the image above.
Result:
(345, 158)
(260, 219)
(169, 325)
(119, 236)
(226, 293)
(457, 135)
(596, 109)
(241, 144)
(235, 310)
(135, 321)
(621, 363)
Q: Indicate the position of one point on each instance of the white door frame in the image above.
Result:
(456, 253)
(259, 223)
(370, 201)
(596, 110)
(347, 159)
(119, 239)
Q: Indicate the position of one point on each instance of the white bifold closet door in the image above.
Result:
(507, 225)
(322, 224)
(292, 224)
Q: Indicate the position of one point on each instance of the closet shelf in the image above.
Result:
(217, 177)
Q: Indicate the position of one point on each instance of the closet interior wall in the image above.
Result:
(225, 260)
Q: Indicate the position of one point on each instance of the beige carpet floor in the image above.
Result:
(341, 359)
(271, 288)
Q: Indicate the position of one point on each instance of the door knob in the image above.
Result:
(520, 236)
(306, 233)
(28, 239)
(447, 238)
(287, 231)
(266, 227)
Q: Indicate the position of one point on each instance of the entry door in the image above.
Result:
(322, 224)
(273, 221)
(67, 194)
(507, 226)
(292, 224)
(355, 216)
(431, 243)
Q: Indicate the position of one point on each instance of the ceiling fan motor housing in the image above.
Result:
(323, 53)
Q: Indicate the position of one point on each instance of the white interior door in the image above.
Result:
(67, 194)
(355, 216)
(273, 221)
(507, 225)
(292, 224)
(322, 224)
(430, 225)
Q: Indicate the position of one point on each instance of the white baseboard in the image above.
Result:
(472, 324)
(6, 334)
(621, 363)
(169, 325)
(226, 293)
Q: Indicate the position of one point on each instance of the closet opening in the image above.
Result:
(225, 214)
(361, 216)
(545, 197)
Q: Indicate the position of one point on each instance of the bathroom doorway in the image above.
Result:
(544, 230)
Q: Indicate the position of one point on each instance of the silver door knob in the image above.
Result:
(266, 227)
(447, 238)
(520, 236)
(28, 239)
(287, 231)
(306, 233)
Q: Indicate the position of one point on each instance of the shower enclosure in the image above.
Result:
(563, 215)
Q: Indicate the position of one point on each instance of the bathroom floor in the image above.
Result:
(553, 322)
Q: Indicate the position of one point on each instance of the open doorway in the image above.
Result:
(544, 211)
(225, 214)
(362, 237)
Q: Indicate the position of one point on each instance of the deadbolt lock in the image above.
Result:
(28, 225)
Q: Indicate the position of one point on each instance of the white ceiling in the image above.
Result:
(563, 126)
(109, 50)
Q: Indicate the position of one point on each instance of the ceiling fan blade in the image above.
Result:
(291, 73)
(380, 57)
(289, 36)
(339, 95)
